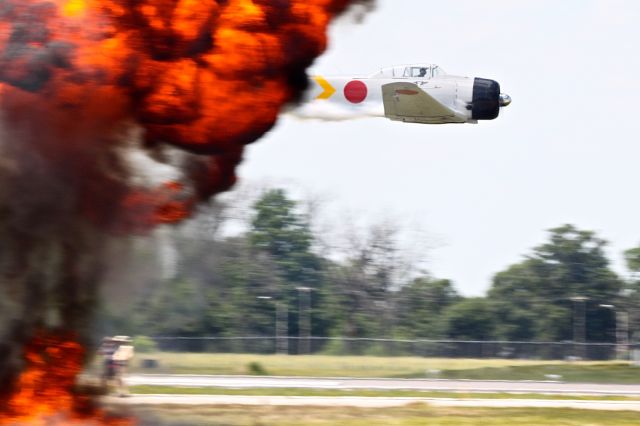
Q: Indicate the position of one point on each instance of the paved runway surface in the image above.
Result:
(244, 382)
(368, 402)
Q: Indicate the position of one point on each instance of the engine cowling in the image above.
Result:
(485, 104)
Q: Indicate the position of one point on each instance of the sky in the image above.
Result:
(565, 151)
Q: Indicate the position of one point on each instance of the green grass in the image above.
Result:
(175, 390)
(610, 372)
(396, 367)
(317, 365)
(413, 415)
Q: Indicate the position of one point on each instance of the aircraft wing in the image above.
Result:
(408, 102)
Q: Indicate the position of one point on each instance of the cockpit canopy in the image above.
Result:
(411, 71)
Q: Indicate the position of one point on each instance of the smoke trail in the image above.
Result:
(88, 85)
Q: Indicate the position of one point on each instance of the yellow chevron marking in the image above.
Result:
(328, 88)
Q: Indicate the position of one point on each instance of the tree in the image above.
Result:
(631, 301)
(366, 281)
(176, 311)
(421, 305)
(470, 319)
(632, 259)
(538, 291)
(277, 229)
(281, 232)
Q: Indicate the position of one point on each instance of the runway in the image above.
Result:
(470, 386)
(367, 402)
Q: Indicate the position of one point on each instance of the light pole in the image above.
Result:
(280, 334)
(621, 326)
(304, 321)
(579, 324)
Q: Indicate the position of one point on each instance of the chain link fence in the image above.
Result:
(395, 347)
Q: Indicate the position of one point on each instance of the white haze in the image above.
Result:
(565, 150)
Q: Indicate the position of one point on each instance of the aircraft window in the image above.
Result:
(423, 72)
(399, 72)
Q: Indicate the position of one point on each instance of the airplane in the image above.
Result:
(417, 93)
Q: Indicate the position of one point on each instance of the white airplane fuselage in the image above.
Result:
(395, 93)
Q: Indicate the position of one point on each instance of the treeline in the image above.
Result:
(204, 282)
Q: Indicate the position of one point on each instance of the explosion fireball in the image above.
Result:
(83, 85)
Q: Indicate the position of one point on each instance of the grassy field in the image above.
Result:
(174, 390)
(408, 416)
(396, 367)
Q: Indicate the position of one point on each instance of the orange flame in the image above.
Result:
(45, 390)
(163, 205)
(205, 76)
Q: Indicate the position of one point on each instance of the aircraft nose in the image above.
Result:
(505, 100)
(485, 104)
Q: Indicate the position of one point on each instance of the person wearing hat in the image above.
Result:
(117, 351)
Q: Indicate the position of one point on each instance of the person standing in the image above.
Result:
(117, 351)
